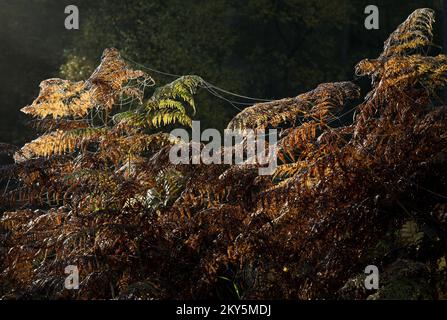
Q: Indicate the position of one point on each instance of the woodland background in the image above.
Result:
(262, 48)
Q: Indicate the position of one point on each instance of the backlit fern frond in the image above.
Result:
(63, 98)
(165, 117)
(141, 142)
(121, 211)
(297, 141)
(56, 143)
(168, 103)
(183, 89)
(430, 72)
(110, 79)
(286, 171)
(130, 120)
(317, 104)
(413, 35)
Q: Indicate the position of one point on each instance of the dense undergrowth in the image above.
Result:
(97, 190)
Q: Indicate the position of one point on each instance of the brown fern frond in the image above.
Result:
(317, 104)
(62, 98)
(57, 142)
(298, 141)
(50, 124)
(430, 72)
(415, 33)
(109, 80)
(411, 37)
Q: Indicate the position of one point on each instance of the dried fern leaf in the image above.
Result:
(411, 37)
(61, 98)
(316, 104)
(109, 81)
(56, 143)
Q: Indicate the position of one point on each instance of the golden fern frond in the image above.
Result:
(413, 35)
(431, 72)
(289, 170)
(45, 145)
(139, 143)
(61, 98)
(329, 98)
(298, 141)
(110, 79)
(56, 143)
(317, 104)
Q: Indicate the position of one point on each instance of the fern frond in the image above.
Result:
(168, 186)
(410, 233)
(288, 170)
(415, 33)
(61, 98)
(133, 119)
(298, 141)
(411, 37)
(316, 104)
(56, 143)
(430, 72)
(50, 124)
(165, 117)
(138, 143)
(109, 80)
(183, 89)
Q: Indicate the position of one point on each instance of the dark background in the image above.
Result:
(261, 48)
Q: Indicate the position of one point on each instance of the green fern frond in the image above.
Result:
(411, 233)
(183, 88)
(165, 117)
